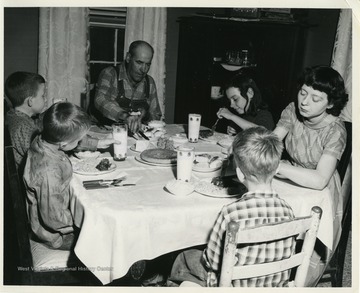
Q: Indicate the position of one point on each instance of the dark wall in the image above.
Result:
(318, 50)
(172, 41)
(321, 36)
(21, 40)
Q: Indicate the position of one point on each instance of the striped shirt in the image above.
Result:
(254, 208)
(107, 92)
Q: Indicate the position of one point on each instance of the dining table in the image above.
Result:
(142, 221)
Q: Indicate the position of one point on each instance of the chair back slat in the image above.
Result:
(273, 231)
(268, 233)
(257, 270)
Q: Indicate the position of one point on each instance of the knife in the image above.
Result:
(104, 181)
(143, 135)
(87, 187)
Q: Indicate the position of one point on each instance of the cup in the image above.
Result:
(120, 145)
(185, 160)
(194, 127)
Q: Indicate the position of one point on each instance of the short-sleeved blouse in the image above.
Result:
(306, 144)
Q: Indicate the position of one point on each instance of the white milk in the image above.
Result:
(185, 159)
(120, 148)
(194, 127)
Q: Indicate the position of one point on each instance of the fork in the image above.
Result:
(214, 126)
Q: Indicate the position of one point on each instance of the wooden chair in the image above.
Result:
(31, 262)
(270, 232)
(335, 267)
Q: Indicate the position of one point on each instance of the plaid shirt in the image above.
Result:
(254, 208)
(107, 92)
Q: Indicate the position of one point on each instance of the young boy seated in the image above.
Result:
(48, 172)
(257, 155)
(26, 91)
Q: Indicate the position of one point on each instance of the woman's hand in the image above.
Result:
(224, 113)
(231, 131)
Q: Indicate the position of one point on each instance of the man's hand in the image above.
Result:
(134, 123)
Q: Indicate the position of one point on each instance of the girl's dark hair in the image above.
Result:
(243, 82)
(64, 122)
(328, 80)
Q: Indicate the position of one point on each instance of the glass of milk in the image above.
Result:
(120, 145)
(185, 159)
(194, 127)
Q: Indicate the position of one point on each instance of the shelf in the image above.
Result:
(235, 67)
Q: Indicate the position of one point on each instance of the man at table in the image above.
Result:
(257, 155)
(127, 93)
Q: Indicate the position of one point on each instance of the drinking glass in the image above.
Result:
(185, 159)
(194, 127)
(120, 145)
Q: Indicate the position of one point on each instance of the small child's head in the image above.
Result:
(244, 94)
(65, 124)
(326, 80)
(257, 152)
(26, 88)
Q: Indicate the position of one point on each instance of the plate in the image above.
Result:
(137, 158)
(225, 143)
(80, 167)
(205, 187)
(159, 156)
(215, 137)
(204, 168)
(133, 148)
(179, 188)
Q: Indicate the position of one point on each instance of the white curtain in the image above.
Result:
(63, 54)
(149, 24)
(342, 56)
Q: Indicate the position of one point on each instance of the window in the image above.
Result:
(107, 33)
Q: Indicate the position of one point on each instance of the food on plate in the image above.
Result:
(141, 145)
(226, 142)
(179, 139)
(162, 156)
(179, 187)
(208, 188)
(202, 158)
(215, 137)
(156, 124)
(165, 143)
(87, 154)
(103, 165)
(205, 133)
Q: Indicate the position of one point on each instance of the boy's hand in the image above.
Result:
(105, 143)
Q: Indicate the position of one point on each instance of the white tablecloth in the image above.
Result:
(122, 225)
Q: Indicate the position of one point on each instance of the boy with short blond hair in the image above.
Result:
(257, 155)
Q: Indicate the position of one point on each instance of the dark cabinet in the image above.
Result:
(275, 48)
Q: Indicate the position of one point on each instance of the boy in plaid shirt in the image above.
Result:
(257, 155)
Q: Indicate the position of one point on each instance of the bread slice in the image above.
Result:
(159, 156)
